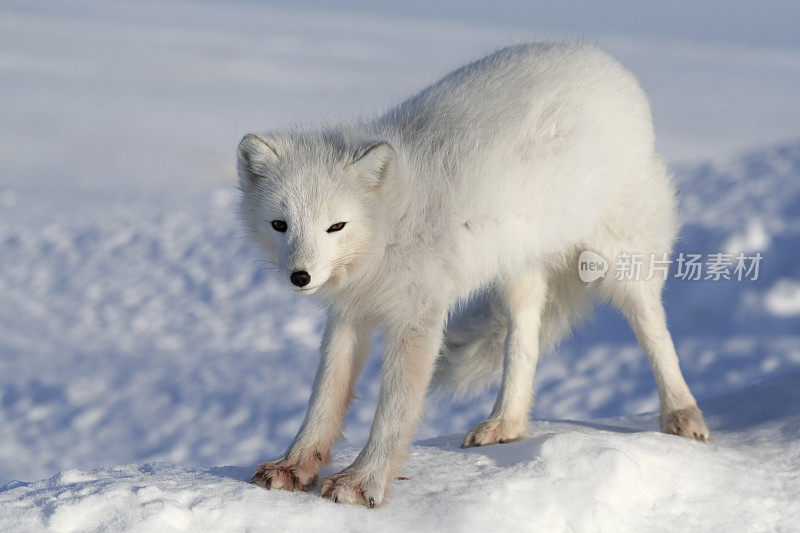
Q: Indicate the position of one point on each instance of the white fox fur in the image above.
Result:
(471, 200)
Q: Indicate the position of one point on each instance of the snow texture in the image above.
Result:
(138, 329)
(612, 475)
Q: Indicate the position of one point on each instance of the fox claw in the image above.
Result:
(279, 475)
(348, 487)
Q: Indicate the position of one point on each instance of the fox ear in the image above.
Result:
(255, 155)
(374, 162)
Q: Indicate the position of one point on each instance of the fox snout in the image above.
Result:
(302, 261)
(300, 278)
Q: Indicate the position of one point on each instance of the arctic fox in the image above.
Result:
(471, 201)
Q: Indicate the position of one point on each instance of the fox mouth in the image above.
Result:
(305, 290)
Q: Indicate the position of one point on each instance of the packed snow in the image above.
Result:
(144, 344)
(610, 475)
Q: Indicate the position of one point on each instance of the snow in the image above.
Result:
(783, 298)
(143, 343)
(613, 475)
(149, 96)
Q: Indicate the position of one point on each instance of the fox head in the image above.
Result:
(311, 201)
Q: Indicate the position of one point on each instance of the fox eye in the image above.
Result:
(278, 225)
(336, 227)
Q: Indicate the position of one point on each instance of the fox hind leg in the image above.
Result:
(640, 302)
(523, 299)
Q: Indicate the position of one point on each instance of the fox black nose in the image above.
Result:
(301, 278)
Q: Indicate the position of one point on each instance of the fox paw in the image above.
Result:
(494, 431)
(348, 486)
(687, 422)
(291, 474)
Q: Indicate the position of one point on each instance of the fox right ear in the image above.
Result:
(255, 156)
(374, 161)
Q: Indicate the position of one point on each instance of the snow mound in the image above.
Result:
(612, 475)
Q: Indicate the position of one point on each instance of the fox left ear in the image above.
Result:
(374, 162)
(256, 154)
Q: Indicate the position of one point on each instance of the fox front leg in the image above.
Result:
(407, 370)
(344, 349)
